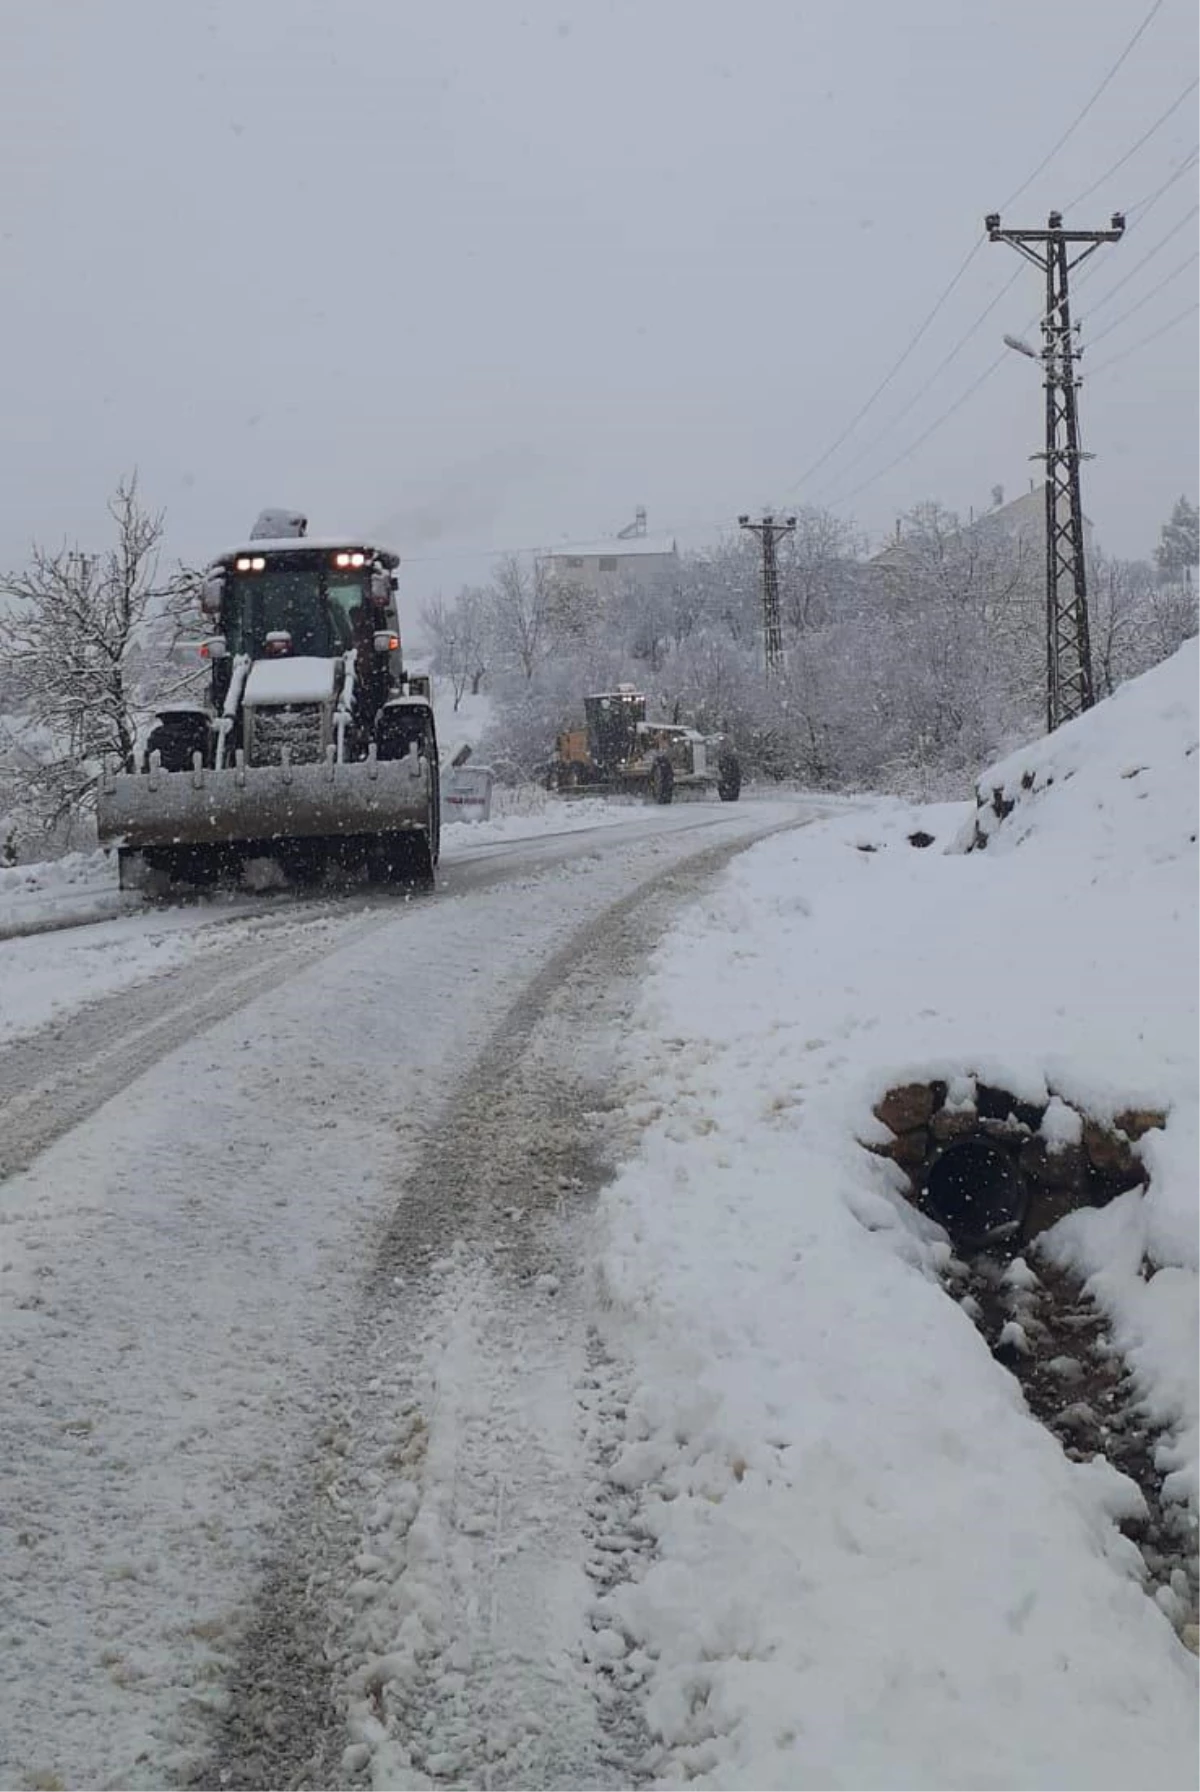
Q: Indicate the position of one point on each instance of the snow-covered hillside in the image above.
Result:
(1117, 786)
(873, 1565)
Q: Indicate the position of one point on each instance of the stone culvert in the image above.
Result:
(988, 1165)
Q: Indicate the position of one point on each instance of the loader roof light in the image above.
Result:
(249, 563)
(349, 559)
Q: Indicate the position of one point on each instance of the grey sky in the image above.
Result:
(488, 273)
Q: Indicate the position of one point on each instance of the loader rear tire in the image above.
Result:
(662, 781)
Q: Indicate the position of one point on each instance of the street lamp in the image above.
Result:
(1021, 347)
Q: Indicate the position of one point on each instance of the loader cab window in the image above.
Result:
(315, 609)
(345, 610)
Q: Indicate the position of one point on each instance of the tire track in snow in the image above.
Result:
(459, 1534)
(56, 1077)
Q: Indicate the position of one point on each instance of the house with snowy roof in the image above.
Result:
(598, 568)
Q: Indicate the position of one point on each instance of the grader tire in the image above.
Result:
(662, 781)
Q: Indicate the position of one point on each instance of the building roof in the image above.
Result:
(1018, 516)
(620, 548)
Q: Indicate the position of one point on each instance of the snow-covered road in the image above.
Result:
(261, 1191)
(108, 941)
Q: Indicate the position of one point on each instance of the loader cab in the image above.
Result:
(308, 600)
(613, 718)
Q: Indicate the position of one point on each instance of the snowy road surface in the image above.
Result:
(282, 1219)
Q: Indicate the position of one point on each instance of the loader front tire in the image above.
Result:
(404, 859)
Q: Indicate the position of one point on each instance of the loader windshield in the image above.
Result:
(310, 601)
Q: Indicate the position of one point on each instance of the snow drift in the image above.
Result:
(1135, 759)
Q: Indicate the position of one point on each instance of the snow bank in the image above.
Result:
(79, 887)
(873, 1567)
(526, 813)
(73, 874)
(1135, 761)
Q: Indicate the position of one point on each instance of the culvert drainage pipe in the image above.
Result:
(976, 1191)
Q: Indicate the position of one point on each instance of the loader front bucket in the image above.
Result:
(140, 811)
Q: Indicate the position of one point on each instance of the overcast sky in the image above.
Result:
(480, 274)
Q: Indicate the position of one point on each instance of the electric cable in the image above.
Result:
(922, 328)
(1133, 149)
(1143, 341)
(857, 459)
(1145, 300)
(1080, 116)
(943, 417)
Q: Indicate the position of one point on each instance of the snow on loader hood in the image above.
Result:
(299, 680)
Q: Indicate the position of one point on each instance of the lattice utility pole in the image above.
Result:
(771, 532)
(1069, 686)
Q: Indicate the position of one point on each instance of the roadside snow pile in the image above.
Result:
(872, 1565)
(81, 886)
(74, 873)
(526, 812)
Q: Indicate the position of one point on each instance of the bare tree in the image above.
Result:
(460, 635)
(73, 635)
(522, 609)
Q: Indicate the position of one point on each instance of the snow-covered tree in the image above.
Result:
(521, 611)
(74, 630)
(905, 672)
(1178, 549)
(460, 635)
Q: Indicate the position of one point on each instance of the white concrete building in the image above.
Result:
(595, 569)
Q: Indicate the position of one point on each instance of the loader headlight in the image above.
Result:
(249, 563)
(349, 559)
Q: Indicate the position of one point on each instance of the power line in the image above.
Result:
(1145, 300)
(1141, 208)
(1147, 258)
(944, 417)
(1133, 149)
(857, 459)
(1144, 341)
(888, 377)
(1080, 116)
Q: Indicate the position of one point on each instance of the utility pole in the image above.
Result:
(771, 532)
(1069, 686)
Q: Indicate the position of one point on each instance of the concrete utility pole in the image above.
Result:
(1069, 686)
(771, 532)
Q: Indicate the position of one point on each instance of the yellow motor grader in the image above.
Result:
(618, 751)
